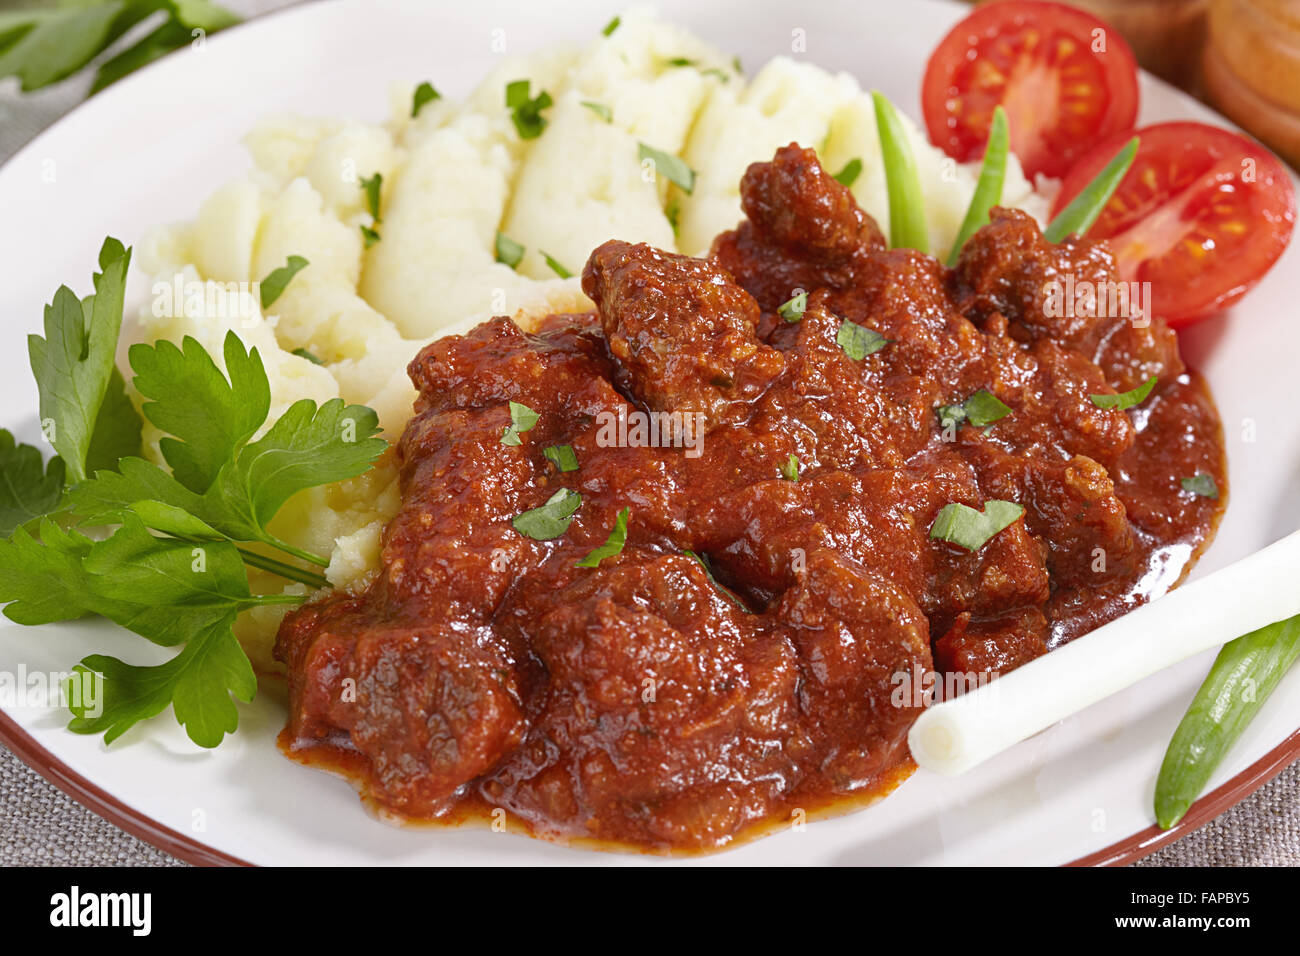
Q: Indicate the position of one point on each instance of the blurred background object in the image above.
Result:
(1166, 35)
(1251, 69)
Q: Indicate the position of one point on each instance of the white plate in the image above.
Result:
(150, 148)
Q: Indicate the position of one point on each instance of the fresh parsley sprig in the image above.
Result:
(173, 566)
(44, 44)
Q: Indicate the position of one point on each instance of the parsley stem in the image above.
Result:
(279, 598)
(307, 556)
(284, 570)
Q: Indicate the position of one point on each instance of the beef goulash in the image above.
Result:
(742, 655)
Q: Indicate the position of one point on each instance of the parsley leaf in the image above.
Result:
(205, 416)
(233, 487)
(611, 26)
(274, 284)
(306, 447)
(673, 169)
(424, 94)
(522, 418)
(858, 341)
(163, 589)
(309, 356)
(117, 428)
(73, 363)
(850, 173)
(551, 519)
(527, 113)
(1202, 484)
(790, 468)
(981, 410)
(508, 251)
(1123, 400)
(372, 186)
(970, 529)
(197, 682)
(41, 47)
(793, 309)
(41, 579)
(172, 35)
(370, 236)
(703, 561)
(613, 544)
(28, 488)
(167, 590)
(563, 457)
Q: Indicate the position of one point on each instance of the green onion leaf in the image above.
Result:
(613, 544)
(850, 173)
(508, 251)
(30, 488)
(988, 191)
(720, 74)
(558, 269)
(522, 418)
(790, 468)
(793, 309)
(964, 526)
(563, 457)
(1077, 218)
(612, 26)
(858, 341)
(673, 169)
(981, 410)
(907, 227)
(682, 61)
(273, 286)
(551, 519)
(424, 93)
(1241, 679)
(1201, 484)
(600, 109)
(1123, 400)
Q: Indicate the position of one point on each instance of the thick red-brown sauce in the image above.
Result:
(645, 703)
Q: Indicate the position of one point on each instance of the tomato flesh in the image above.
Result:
(1064, 78)
(1202, 215)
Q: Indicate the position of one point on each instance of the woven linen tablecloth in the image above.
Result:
(41, 825)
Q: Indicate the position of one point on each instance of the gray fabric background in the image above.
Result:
(40, 825)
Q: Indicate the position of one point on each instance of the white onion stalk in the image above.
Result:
(953, 736)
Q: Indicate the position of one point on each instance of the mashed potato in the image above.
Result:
(459, 174)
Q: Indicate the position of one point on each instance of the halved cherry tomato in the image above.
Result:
(1202, 214)
(1066, 80)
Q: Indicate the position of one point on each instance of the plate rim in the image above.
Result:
(194, 851)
